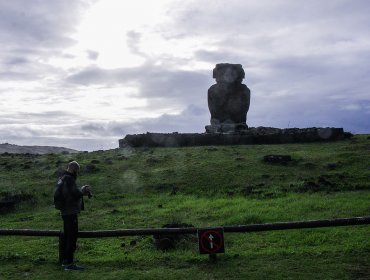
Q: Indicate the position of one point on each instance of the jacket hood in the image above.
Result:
(70, 174)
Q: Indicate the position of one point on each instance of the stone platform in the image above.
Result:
(250, 136)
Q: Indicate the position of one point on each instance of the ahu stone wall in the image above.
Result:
(259, 135)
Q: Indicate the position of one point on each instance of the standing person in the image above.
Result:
(73, 204)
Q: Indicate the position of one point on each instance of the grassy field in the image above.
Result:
(201, 186)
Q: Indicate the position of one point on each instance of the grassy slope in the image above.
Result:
(203, 186)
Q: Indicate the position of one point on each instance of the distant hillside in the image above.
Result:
(15, 149)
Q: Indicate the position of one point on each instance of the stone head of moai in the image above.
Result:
(228, 99)
(228, 73)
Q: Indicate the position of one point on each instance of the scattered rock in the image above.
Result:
(10, 200)
(326, 184)
(114, 211)
(9, 167)
(257, 192)
(26, 166)
(309, 165)
(24, 219)
(152, 160)
(247, 190)
(310, 186)
(7, 206)
(283, 159)
(331, 166)
(122, 158)
(343, 175)
(118, 196)
(268, 195)
(165, 243)
(90, 168)
(174, 190)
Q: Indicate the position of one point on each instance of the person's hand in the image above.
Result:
(86, 190)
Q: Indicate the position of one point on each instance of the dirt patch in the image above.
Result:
(169, 241)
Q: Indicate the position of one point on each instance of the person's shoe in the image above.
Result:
(65, 263)
(73, 267)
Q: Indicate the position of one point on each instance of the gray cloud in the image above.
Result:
(101, 129)
(153, 82)
(93, 55)
(103, 134)
(98, 76)
(42, 118)
(40, 24)
(219, 56)
(190, 119)
(252, 18)
(32, 31)
(133, 43)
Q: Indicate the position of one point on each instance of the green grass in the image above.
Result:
(202, 186)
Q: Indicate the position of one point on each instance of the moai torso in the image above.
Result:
(228, 100)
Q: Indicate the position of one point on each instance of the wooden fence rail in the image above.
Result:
(192, 230)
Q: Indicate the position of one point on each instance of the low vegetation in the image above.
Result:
(200, 186)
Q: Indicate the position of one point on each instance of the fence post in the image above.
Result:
(213, 258)
(61, 247)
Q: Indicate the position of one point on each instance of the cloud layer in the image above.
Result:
(306, 63)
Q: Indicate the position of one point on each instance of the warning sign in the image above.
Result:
(211, 241)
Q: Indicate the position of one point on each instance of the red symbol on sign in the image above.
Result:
(211, 241)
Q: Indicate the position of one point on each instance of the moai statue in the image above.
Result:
(228, 99)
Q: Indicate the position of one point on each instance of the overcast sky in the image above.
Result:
(83, 74)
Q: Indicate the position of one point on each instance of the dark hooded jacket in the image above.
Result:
(73, 195)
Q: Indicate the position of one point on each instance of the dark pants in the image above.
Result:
(70, 237)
